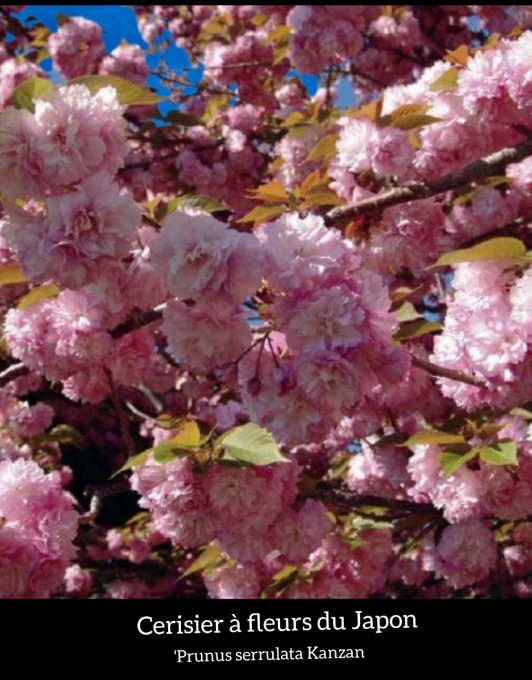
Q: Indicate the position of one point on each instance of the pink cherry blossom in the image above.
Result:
(77, 47)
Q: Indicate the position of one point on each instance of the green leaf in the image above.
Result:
(398, 294)
(215, 27)
(501, 453)
(133, 462)
(187, 440)
(44, 53)
(409, 117)
(312, 180)
(501, 248)
(61, 19)
(25, 94)
(497, 181)
(521, 412)
(262, 213)
(167, 421)
(446, 81)
(458, 56)
(128, 93)
(49, 290)
(279, 53)
(294, 118)
(321, 196)
(165, 453)
(285, 572)
(407, 312)
(209, 559)
(415, 329)
(200, 202)
(371, 111)
(433, 437)
(354, 542)
(251, 444)
(362, 524)
(272, 192)
(466, 197)
(325, 148)
(414, 121)
(280, 33)
(451, 461)
(281, 580)
(11, 273)
(66, 434)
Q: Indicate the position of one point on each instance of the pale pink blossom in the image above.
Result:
(79, 232)
(233, 582)
(77, 47)
(204, 337)
(78, 581)
(36, 540)
(466, 553)
(126, 61)
(199, 256)
(364, 146)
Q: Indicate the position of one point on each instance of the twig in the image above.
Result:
(150, 161)
(12, 372)
(348, 500)
(328, 95)
(122, 416)
(138, 321)
(168, 357)
(110, 489)
(510, 228)
(442, 372)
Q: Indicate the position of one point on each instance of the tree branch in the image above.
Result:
(493, 164)
(442, 372)
(122, 415)
(137, 321)
(12, 372)
(349, 501)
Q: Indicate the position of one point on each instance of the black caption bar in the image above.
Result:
(180, 635)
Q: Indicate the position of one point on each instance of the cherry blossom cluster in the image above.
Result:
(193, 509)
(19, 424)
(39, 525)
(488, 334)
(333, 333)
(352, 283)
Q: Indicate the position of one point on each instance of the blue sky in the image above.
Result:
(118, 22)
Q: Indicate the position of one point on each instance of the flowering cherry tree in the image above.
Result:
(261, 345)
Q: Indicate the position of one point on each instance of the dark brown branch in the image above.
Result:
(138, 321)
(110, 489)
(122, 415)
(148, 220)
(511, 228)
(150, 161)
(349, 501)
(12, 372)
(494, 164)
